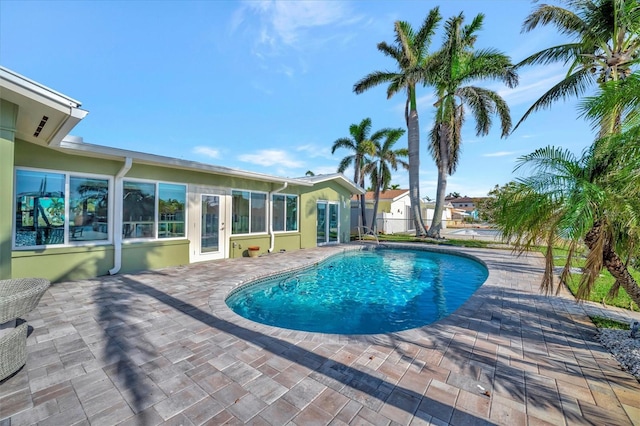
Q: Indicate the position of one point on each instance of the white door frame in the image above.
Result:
(196, 196)
(327, 228)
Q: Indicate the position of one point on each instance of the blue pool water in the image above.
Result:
(363, 292)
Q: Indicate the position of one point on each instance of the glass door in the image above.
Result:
(211, 227)
(328, 223)
(321, 215)
(333, 223)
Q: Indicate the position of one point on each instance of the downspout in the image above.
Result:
(117, 217)
(271, 235)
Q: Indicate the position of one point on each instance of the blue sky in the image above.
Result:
(267, 86)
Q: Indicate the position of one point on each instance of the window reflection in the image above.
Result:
(40, 208)
(88, 209)
(171, 203)
(138, 210)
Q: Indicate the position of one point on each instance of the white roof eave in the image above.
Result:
(73, 146)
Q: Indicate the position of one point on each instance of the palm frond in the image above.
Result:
(565, 21)
(565, 53)
(574, 85)
(427, 30)
(374, 79)
(342, 143)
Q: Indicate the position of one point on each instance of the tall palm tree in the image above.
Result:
(592, 199)
(361, 145)
(454, 66)
(605, 45)
(385, 159)
(410, 54)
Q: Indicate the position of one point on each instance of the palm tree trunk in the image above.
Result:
(363, 211)
(374, 222)
(414, 171)
(443, 173)
(613, 263)
(359, 179)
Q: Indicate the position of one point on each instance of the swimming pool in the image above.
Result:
(477, 231)
(363, 292)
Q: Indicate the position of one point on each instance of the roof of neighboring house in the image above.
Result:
(460, 199)
(389, 194)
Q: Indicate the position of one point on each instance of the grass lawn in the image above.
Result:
(602, 284)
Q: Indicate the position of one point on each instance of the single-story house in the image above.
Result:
(74, 210)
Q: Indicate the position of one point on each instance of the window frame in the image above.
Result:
(266, 211)
(285, 230)
(156, 214)
(67, 175)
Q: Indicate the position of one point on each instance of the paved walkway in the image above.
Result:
(160, 347)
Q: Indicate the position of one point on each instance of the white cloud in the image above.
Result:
(499, 154)
(286, 23)
(533, 84)
(206, 151)
(314, 151)
(328, 170)
(271, 157)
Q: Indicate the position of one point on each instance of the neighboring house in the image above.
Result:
(74, 210)
(463, 207)
(394, 211)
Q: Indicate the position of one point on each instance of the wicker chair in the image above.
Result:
(18, 297)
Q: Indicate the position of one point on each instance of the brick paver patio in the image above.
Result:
(161, 347)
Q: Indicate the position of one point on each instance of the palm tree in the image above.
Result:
(591, 199)
(605, 45)
(605, 49)
(410, 54)
(384, 160)
(361, 145)
(451, 68)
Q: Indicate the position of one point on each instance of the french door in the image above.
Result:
(328, 223)
(210, 225)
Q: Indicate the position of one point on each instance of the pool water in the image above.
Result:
(363, 292)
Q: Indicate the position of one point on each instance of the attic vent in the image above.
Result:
(40, 126)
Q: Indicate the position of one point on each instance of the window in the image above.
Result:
(54, 208)
(285, 212)
(88, 209)
(138, 209)
(249, 212)
(171, 203)
(258, 212)
(140, 204)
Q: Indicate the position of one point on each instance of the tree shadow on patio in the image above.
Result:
(360, 383)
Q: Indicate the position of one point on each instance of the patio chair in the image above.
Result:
(18, 297)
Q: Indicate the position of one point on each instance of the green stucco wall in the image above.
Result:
(8, 117)
(74, 263)
(325, 191)
(154, 255)
(64, 263)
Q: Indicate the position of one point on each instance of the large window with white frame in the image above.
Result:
(249, 212)
(153, 210)
(55, 208)
(285, 212)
